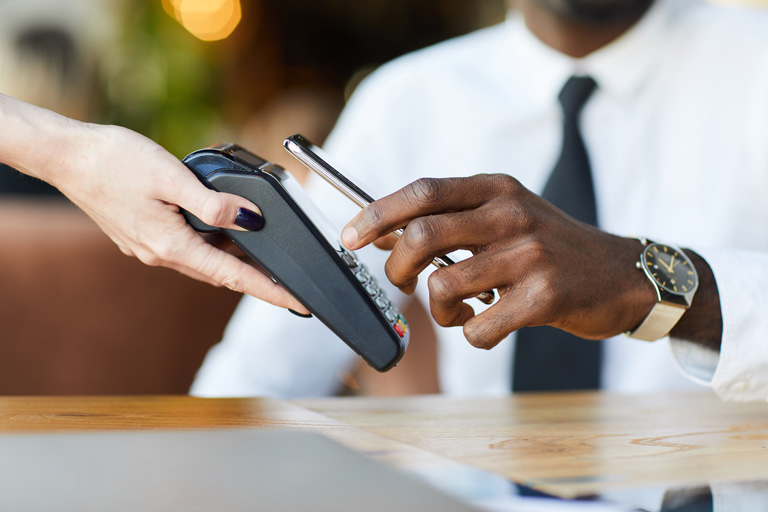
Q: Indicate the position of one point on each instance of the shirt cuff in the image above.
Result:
(739, 372)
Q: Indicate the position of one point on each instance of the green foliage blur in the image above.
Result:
(161, 81)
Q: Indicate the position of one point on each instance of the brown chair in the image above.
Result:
(79, 317)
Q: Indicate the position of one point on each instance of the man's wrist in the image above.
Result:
(703, 322)
(640, 296)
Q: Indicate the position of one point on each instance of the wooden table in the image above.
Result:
(577, 444)
(563, 444)
(202, 455)
(77, 414)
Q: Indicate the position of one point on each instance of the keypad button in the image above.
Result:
(372, 289)
(390, 316)
(381, 302)
(363, 276)
(399, 330)
(348, 257)
(351, 256)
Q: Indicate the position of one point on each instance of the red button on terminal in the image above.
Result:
(399, 330)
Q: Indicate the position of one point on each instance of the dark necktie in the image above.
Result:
(548, 359)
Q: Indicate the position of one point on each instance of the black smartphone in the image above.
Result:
(298, 249)
(317, 160)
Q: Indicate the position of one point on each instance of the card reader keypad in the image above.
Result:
(390, 312)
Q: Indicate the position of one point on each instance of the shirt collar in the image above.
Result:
(620, 68)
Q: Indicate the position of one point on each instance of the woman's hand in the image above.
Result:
(133, 189)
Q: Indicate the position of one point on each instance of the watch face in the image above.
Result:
(670, 268)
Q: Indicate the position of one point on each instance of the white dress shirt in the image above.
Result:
(677, 134)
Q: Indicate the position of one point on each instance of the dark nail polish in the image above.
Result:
(249, 220)
(302, 315)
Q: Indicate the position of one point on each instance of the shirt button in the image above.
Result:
(739, 386)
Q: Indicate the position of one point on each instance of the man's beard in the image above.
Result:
(596, 12)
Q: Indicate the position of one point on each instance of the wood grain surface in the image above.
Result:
(564, 444)
(167, 466)
(576, 444)
(62, 414)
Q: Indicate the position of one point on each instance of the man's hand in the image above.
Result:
(549, 269)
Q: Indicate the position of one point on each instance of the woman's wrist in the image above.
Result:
(39, 142)
(66, 147)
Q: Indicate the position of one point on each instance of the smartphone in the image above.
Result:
(317, 160)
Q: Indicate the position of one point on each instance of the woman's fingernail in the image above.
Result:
(302, 315)
(249, 220)
(349, 237)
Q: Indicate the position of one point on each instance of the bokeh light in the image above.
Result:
(208, 20)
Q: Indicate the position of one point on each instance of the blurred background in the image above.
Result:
(78, 317)
(187, 73)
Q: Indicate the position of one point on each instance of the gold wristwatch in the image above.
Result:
(675, 280)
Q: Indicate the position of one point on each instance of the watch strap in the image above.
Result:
(658, 323)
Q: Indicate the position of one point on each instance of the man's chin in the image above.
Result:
(596, 12)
